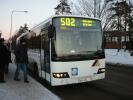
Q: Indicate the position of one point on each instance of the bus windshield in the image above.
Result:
(77, 36)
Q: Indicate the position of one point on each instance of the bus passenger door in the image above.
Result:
(47, 59)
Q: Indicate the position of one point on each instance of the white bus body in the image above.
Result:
(62, 59)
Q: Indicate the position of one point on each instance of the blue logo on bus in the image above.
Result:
(74, 71)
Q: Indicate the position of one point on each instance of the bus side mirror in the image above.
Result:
(51, 30)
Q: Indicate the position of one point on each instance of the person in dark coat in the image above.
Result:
(8, 61)
(21, 60)
(3, 59)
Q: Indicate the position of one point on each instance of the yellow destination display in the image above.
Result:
(87, 22)
(76, 22)
(67, 21)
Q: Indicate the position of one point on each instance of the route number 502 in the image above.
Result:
(67, 21)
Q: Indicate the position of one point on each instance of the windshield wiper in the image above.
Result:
(99, 54)
(84, 52)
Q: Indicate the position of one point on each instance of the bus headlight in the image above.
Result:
(101, 70)
(61, 75)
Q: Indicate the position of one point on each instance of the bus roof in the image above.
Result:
(50, 18)
(75, 16)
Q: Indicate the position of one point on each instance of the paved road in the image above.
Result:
(118, 85)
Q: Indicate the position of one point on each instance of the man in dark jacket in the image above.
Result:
(21, 60)
(8, 61)
(3, 59)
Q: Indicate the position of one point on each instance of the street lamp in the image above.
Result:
(11, 24)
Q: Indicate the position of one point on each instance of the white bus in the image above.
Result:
(67, 50)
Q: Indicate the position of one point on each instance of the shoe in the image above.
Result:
(26, 81)
(16, 79)
(2, 81)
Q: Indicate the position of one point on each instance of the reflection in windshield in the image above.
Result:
(76, 42)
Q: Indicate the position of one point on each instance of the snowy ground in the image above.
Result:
(121, 57)
(14, 90)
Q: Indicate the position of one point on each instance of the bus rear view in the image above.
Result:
(76, 50)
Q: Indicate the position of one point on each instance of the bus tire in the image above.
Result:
(35, 71)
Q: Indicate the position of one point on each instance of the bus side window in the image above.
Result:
(45, 40)
(47, 47)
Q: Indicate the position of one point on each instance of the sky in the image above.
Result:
(38, 11)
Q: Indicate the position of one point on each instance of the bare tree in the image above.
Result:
(122, 13)
(95, 8)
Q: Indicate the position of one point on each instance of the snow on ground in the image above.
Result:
(121, 57)
(18, 90)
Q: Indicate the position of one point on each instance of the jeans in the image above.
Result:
(20, 66)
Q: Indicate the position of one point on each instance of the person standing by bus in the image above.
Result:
(8, 60)
(3, 59)
(21, 60)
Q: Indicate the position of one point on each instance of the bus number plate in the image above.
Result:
(82, 80)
